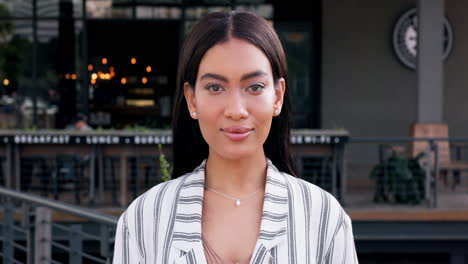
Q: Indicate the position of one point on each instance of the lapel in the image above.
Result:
(186, 235)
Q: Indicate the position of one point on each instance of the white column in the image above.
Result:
(430, 61)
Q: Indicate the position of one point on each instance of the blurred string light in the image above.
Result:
(148, 69)
(93, 81)
(112, 72)
(104, 61)
(90, 67)
(67, 76)
(133, 60)
(73, 76)
(94, 76)
(123, 80)
(6, 82)
(139, 102)
(144, 80)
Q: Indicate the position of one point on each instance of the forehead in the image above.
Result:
(234, 58)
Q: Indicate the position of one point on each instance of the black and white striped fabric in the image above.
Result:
(301, 223)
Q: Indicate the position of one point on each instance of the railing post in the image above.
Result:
(341, 171)
(43, 235)
(428, 180)
(8, 233)
(100, 161)
(92, 175)
(26, 225)
(17, 164)
(9, 165)
(136, 176)
(435, 149)
(76, 245)
(334, 172)
(112, 171)
(123, 181)
(55, 178)
(104, 243)
(299, 164)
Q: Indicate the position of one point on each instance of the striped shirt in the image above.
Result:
(301, 223)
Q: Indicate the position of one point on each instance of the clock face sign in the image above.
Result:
(405, 38)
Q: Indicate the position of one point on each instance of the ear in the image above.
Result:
(279, 94)
(189, 94)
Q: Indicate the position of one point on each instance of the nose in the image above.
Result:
(235, 106)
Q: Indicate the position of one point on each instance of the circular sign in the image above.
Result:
(405, 38)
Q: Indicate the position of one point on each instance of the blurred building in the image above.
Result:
(116, 62)
(345, 68)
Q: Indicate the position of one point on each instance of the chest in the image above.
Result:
(231, 231)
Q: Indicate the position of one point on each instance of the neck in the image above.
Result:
(236, 177)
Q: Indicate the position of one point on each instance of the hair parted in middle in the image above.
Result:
(189, 146)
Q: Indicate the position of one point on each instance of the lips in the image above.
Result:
(237, 133)
(236, 129)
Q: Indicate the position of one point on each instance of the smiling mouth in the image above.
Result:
(237, 135)
(236, 129)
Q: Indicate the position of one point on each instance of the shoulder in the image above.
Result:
(303, 190)
(315, 204)
(157, 205)
(151, 204)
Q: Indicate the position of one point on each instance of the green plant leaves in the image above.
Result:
(399, 180)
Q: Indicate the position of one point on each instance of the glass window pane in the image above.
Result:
(148, 12)
(132, 83)
(198, 12)
(15, 70)
(250, 1)
(17, 8)
(153, 2)
(264, 10)
(56, 76)
(47, 76)
(297, 43)
(52, 8)
(106, 9)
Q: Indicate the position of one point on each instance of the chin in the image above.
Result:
(236, 153)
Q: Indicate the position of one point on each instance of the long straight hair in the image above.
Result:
(189, 146)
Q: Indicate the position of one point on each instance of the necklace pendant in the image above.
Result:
(238, 202)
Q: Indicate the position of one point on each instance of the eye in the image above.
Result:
(256, 87)
(214, 87)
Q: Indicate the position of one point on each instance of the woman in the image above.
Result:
(233, 199)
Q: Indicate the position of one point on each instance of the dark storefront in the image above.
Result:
(116, 63)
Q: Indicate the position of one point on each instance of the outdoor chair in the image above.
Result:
(445, 162)
(68, 176)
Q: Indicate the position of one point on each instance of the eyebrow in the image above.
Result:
(224, 79)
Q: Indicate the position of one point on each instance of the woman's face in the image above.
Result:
(235, 99)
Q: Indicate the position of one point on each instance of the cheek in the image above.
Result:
(264, 119)
(209, 112)
(261, 107)
(262, 113)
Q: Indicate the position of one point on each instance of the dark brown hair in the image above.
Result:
(189, 146)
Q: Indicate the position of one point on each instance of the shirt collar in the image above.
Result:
(187, 225)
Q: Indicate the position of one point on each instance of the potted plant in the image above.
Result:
(399, 179)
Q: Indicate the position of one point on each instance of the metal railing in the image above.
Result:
(439, 158)
(95, 168)
(112, 168)
(39, 230)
